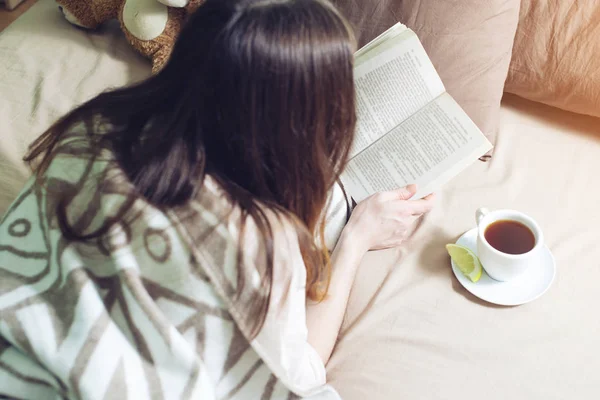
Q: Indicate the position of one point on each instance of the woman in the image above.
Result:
(166, 247)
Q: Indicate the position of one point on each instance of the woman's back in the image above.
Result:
(134, 312)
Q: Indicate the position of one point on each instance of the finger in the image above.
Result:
(404, 193)
(418, 207)
(431, 196)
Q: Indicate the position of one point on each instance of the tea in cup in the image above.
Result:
(508, 242)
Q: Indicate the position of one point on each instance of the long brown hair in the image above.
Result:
(257, 94)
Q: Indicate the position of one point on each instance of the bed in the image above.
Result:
(411, 330)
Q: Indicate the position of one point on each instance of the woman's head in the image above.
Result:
(271, 83)
(257, 93)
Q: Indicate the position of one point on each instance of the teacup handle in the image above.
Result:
(480, 214)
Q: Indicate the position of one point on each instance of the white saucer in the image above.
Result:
(534, 282)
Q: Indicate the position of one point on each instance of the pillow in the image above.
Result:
(470, 44)
(555, 55)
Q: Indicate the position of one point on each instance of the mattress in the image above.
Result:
(411, 331)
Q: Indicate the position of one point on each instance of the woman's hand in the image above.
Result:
(385, 219)
(380, 221)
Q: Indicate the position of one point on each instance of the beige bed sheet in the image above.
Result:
(411, 331)
(46, 67)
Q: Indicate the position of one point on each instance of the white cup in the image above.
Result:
(503, 266)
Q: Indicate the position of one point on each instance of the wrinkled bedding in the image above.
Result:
(555, 54)
(47, 66)
(411, 331)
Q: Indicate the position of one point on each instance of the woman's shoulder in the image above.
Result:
(233, 252)
(214, 210)
(220, 229)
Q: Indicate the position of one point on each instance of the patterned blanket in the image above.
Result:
(139, 313)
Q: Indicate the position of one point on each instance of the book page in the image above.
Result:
(428, 149)
(394, 31)
(393, 81)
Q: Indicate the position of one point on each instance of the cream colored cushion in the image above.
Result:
(556, 54)
(469, 42)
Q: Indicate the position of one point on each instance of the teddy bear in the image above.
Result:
(150, 26)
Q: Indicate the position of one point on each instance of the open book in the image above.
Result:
(409, 129)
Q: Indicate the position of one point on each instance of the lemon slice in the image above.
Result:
(465, 260)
